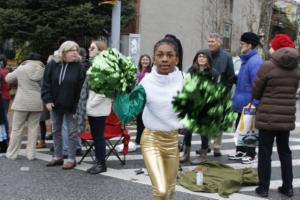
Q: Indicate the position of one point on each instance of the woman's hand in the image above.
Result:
(50, 106)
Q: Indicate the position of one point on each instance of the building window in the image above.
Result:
(227, 36)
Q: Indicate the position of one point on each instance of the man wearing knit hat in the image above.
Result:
(251, 62)
(276, 85)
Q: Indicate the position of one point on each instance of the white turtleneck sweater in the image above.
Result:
(160, 90)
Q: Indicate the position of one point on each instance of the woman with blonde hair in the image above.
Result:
(63, 79)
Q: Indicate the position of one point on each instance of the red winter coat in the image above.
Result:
(4, 85)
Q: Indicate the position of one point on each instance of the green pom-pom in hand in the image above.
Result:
(111, 73)
(204, 106)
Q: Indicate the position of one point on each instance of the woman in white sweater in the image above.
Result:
(96, 107)
(27, 105)
(153, 96)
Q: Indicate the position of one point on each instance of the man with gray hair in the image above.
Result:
(222, 60)
(222, 63)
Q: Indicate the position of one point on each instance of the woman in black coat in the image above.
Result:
(63, 79)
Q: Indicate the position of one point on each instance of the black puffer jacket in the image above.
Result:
(276, 85)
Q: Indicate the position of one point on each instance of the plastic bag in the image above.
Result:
(246, 134)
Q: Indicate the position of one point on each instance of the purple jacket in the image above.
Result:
(140, 75)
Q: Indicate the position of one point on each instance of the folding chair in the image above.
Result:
(88, 142)
(113, 130)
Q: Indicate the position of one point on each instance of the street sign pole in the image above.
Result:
(116, 25)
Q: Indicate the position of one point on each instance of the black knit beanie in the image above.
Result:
(250, 38)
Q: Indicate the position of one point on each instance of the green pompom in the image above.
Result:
(204, 106)
(111, 73)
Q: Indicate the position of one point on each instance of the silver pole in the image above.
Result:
(116, 25)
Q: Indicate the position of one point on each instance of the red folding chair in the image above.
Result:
(113, 130)
(88, 142)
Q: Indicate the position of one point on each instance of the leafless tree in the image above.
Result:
(265, 24)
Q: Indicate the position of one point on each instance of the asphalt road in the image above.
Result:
(38, 182)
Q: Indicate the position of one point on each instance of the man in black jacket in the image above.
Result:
(222, 63)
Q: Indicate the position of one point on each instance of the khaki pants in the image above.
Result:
(18, 124)
(217, 142)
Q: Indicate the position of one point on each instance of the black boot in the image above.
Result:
(99, 167)
(3, 146)
(262, 192)
(286, 191)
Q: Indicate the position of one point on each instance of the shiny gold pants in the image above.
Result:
(161, 157)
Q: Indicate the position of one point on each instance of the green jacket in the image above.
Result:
(219, 178)
(127, 107)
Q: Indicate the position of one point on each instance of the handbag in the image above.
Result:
(246, 134)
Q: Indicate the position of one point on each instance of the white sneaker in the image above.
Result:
(248, 160)
(237, 156)
(131, 147)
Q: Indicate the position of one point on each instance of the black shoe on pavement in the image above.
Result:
(97, 168)
(262, 192)
(237, 156)
(287, 192)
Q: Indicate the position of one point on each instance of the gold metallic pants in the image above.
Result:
(161, 157)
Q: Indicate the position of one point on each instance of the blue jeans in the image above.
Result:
(57, 124)
(65, 136)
